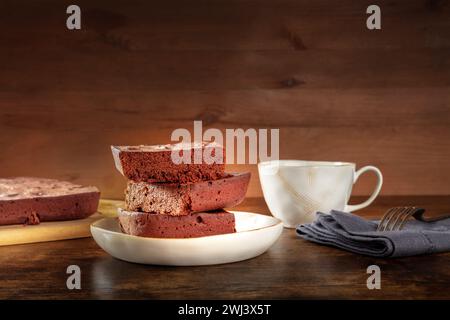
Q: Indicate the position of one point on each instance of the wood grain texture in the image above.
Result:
(293, 268)
(139, 69)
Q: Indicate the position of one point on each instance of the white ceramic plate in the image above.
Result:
(255, 233)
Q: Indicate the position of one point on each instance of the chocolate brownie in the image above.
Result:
(182, 199)
(27, 200)
(154, 225)
(155, 164)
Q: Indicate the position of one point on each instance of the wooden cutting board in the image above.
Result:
(57, 230)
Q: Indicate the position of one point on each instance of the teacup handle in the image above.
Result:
(350, 208)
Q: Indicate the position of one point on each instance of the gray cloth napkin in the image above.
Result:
(350, 232)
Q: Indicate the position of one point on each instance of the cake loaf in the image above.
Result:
(182, 199)
(155, 164)
(26, 200)
(154, 225)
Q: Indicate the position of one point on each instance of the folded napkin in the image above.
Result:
(350, 232)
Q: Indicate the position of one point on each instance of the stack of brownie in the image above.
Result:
(164, 199)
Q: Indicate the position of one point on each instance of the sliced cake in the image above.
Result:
(154, 225)
(204, 161)
(26, 200)
(182, 199)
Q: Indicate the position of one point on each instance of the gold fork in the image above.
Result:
(395, 218)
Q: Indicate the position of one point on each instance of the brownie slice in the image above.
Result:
(182, 199)
(155, 164)
(26, 200)
(154, 225)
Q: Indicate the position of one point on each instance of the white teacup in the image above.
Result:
(295, 190)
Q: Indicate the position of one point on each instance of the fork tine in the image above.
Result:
(394, 219)
(386, 218)
(383, 219)
(414, 210)
(401, 218)
(394, 215)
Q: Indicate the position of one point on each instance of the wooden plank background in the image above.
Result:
(139, 69)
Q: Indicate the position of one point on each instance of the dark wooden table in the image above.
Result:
(292, 268)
